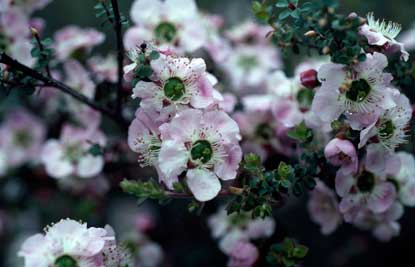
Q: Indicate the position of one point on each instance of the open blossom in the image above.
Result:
(248, 32)
(73, 41)
(405, 179)
(368, 188)
(21, 138)
(104, 68)
(323, 208)
(144, 138)
(28, 6)
(342, 153)
(390, 129)
(70, 156)
(205, 146)
(174, 24)
(177, 83)
(383, 34)
(66, 243)
(384, 225)
(362, 90)
(249, 65)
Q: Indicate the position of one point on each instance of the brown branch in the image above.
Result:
(120, 53)
(48, 81)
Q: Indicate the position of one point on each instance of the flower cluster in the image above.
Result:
(370, 116)
(180, 129)
(236, 234)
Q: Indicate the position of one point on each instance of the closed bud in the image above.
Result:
(291, 6)
(326, 50)
(309, 79)
(310, 33)
(322, 22)
(34, 31)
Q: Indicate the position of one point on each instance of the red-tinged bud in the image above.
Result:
(309, 79)
(292, 6)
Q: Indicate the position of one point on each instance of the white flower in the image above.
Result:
(66, 243)
(406, 179)
(382, 33)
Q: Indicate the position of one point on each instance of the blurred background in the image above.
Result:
(184, 237)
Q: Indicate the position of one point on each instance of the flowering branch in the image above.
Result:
(120, 52)
(14, 64)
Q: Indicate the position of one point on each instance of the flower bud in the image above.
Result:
(291, 6)
(326, 50)
(309, 79)
(310, 34)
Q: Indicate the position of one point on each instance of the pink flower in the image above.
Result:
(70, 156)
(144, 139)
(405, 178)
(178, 83)
(104, 69)
(323, 208)
(342, 153)
(363, 90)
(73, 40)
(368, 188)
(21, 138)
(243, 254)
(205, 145)
(248, 32)
(390, 127)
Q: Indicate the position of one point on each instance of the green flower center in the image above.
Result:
(65, 261)
(366, 182)
(264, 131)
(174, 89)
(386, 129)
(201, 150)
(73, 152)
(22, 138)
(247, 62)
(358, 91)
(165, 32)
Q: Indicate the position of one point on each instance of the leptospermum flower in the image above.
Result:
(383, 34)
(76, 42)
(323, 208)
(362, 90)
(342, 153)
(104, 68)
(67, 243)
(70, 156)
(368, 188)
(177, 84)
(205, 146)
(174, 24)
(249, 65)
(405, 179)
(391, 127)
(28, 6)
(144, 138)
(384, 225)
(21, 138)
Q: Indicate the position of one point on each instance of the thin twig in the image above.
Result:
(47, 81)
(120, 53)
(42, 48)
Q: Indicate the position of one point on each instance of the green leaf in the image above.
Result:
(154, 55)
(252, 162)
(301, 133)
(282, 3)
(284, 14)
(300, 251)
